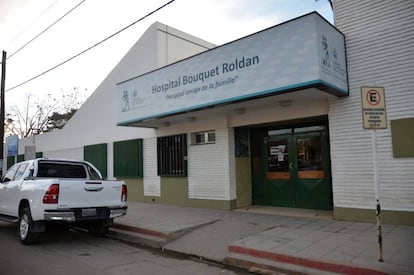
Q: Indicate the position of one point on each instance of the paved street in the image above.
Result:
(261, 243)
(69, 252)
(281, 243)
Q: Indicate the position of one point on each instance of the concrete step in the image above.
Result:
(136, 238)
(265, 266)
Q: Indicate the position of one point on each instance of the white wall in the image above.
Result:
(211, 169)
(69, 153)
(174, 47)
(380, 39)
(152, 182)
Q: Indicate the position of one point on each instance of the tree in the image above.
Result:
(58, 120)
(42, 115)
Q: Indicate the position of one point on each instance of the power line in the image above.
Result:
(30, 25)
(91, 47)
(45, 30)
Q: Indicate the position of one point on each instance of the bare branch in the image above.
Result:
(38, 115)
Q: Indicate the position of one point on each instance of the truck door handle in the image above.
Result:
(93, 189)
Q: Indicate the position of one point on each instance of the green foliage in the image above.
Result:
(40, 115)
(58, 120)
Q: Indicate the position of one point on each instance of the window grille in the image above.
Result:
(172, 155)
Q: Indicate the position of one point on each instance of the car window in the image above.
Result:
(61, 170)
(10, 173)
(20, 171)
(93, 174)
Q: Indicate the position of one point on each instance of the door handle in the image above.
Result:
(291, 165)
(93, 189)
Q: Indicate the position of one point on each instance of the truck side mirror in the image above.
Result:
(31, 171)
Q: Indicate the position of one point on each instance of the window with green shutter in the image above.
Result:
(128, 158)
(20, 157)
(10, 161)
(97, 154)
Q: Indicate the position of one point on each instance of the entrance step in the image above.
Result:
(290, 212)
(264, 266)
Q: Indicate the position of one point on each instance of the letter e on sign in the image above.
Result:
(373, 97)
(373, 108)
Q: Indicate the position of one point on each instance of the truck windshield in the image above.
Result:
(61, 170)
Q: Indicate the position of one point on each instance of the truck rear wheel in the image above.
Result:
(98, 229)
(25, 227)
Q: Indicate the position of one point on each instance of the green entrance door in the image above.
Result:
(291, 168)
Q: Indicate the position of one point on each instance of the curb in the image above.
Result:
(150, 237)
(257, 261)
(140, 230)
(168, 236)
(297, 261)
(136, 238)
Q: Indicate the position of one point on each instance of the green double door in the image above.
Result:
(291, 168)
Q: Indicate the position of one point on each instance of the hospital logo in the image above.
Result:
(125, 101)
(136, 100)
(325, 52)
(331, 60)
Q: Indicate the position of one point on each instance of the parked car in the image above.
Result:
(37, 192)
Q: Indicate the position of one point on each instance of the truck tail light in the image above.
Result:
(124, 194)
(52, 194)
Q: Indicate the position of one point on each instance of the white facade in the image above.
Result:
(380, 42)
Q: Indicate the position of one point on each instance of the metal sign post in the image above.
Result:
(2, 113)
(374, 117)
(377, 194)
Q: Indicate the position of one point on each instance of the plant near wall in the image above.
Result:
(40, 115)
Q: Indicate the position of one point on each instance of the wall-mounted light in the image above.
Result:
(285, 103)
(239, 111)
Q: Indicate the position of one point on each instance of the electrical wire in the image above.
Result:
(45, 30)
(31, 24)
(91, 47)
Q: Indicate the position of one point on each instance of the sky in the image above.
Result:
(216, 21)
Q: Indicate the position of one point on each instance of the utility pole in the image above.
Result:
(2, 87)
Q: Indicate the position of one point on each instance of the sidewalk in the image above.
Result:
(264, 243)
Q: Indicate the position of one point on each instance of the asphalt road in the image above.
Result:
(72, 252)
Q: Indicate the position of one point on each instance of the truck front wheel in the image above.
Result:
(25, 227)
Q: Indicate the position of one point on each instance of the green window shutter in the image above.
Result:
(39, 154)
(20, 158)
(128, 158)
(97, 155)
(10, 161)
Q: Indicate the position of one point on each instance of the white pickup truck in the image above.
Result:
(36, 192)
